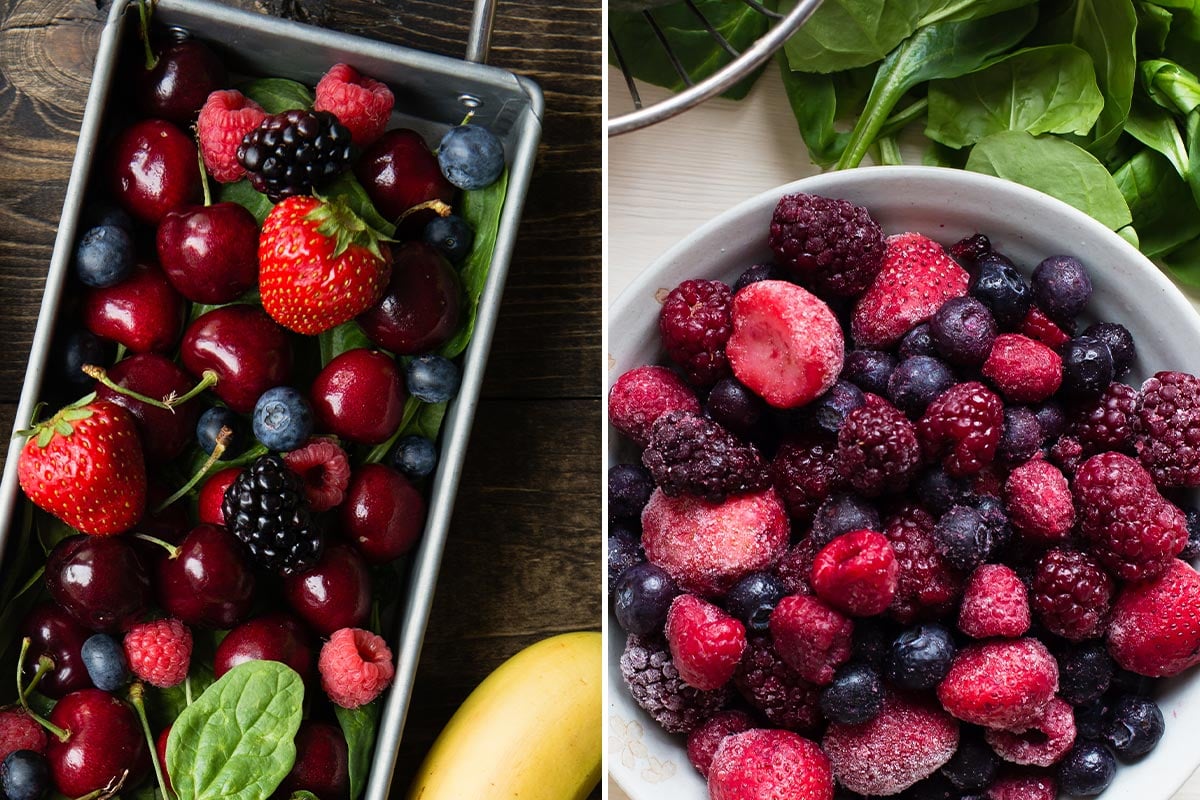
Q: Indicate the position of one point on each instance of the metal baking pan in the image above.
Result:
(432, 94)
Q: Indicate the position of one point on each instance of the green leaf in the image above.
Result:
(351, 191)
(1170, 85)
(938, 155)
(1164, 212)
(1155, 128)
(843, 34)
(1153, 27)
(236, 741)
(1129, 234)
(303, 795)
(163, 706)
(51, 530)
(1183, 264)
(1056, 167)
(277, 95)
(359, 725)
(963, 10)
(1183, 42)
(242, 193)
(481, 210)
(814, 102)
(1193, 148)
(1049, 89)
(335, 341)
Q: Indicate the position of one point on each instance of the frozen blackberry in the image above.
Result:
(869, 370)
(759, 272)
(295, 152)
(1107, 423)
(624, 551)
(1168, 428)
(655, 684)
(962, 537)
(1120, 344)
(1084, 672)
(997, 284)
(968, 250)
(830, 410)
(1071, 594)
(1087, 769)
(689, 454)
(1135, 726)
(266, 508)
(1061, 288)
(854, 696)
(1192, 549)
(963, 331)
(629, 489)
(877, 448)
(843, 513)
(775, 689)
(1022, 435)
(916, 382)
(917, 342)
(831, 245)
(733, 406)
(695, 323)
(805, 473)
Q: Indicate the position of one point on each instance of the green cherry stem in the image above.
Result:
(136, 696)
(219, 446)
(172, 550)
(22, 696)
(187, 690)
(45, 664)
(435, 205)
(203, 177)
(467, 119)
(109, 791)
(144, 12)
(208, 379)
(98, 373)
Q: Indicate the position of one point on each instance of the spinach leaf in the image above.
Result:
(51, 530)
(163, 706)
(1049, 89)
(277, 95)
(236, 741)
(481, 209)
(938, 155)
(335, 341)
(1183, 42)
(1054, 166)
(1193, 148)
(359, 726)
(1170, 85)
(1163, 210)
(814, 102)
(1129, 234)
(1183, 264)
(1153, 27)
(844, 34)
(963, 10)
(242, 193)
(1155, 128)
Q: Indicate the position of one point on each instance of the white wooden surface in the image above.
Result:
(665, 181)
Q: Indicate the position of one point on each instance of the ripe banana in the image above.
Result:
(531, 730)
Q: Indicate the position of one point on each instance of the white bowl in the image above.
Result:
(945, 205)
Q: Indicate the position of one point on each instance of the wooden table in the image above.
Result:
(523, 559)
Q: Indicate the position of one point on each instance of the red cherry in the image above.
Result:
(208, 582)
(212, 494)
(155, 170)
(322, 764)
(160, 749)
(359, 396)
(144, 312)
(209, 253)
(180, 82)
(55, 633)
(244, 347)
(421, 307)
(383, 514)
(334, 594)
(105, 739)
(165, 433)
(274, 637)
(399, 172)
(100, 580)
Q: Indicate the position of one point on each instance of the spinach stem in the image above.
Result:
(136, 696)
(889, 87)
(889, 151)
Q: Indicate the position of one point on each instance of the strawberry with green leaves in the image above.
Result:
(319, 264)
(84, 465)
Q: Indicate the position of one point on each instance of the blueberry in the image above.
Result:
(624, 551)
(973, 765)
(917, 342)
(432, 379)
(869, 370)
(104, 214)
(1191, 550)
(843, 513)
(1022, 435)
(471, 157)
(629, 489)
(733, 406)
(759, 272)
(1087, 769)
(642, 598)
(1084, 672)
(104, 256)
(283, 419)
(1126, 682)
(753, 598)
(1134, 727)
(871, 641)
(104, 658)
(209, 426)
(1120, 344)
(854, 696)
(26, 776)
(1092, 718)
(970, 249)
(1061, 288)
(917, 382)
(414, 456)
(1087, 368)
(82, 347)
(962, 331)
(934, 787)
(920, 657)
(452, 235)
(938, 490)
(996, 518)
(1052, 418)
(963, 537)
(830, 410)
(997, 284)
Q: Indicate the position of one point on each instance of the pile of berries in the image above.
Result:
(898, 528)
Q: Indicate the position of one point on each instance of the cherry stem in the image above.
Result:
(208, 379)
(168, 403)
(110, 790)
(136, 696)
(144, 12)
(187, 690)
(45, 664)
(203, 177)
(467, 119)
(172, 550)
(441, 208)
(219, 446)
(22, 698)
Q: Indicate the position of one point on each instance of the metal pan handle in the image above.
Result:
(481, 31)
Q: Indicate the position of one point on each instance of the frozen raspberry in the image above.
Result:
(811, 637)
(1068, 454)
(1155, 628)
(1046, 741)
(927, 586)
(325, 470)
(877, 448)
(656, 685)
(642, 395)
(806, 473)
(909, 740)
(1041, 328)
(695, 322)
(689, 454)
(775, 689)
(1071, 594)
(18, 731)
(995, 603)
(760, 764)
(1127, 524)
(1168, 428)
(794, 569)
(786, 346)
(857, 573)
(226, 117)
(963, 425)
(1024, 370)
(1024, 786)
(706, 643)
(159, 652)
(212, 495)
(1038, 501)
(702, 743)
(360, 103)
(706, 547)
(1107, 424)
(355, 666)
(970, 249)
(832, 246)
(1000, 684)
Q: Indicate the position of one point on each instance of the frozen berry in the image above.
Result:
(1087, 369)
(811, 637)
(962, 537)
(974, 763)
(1067, 453)
(962, 427)
(760, 764)
(1039, 327)
(971, 248)
(775, 689)
(829, 411)
(916, 382)
(360, 103)
(854, 696)
(962, 331)
(1108, 422)
(1003, 683)
(643, 597)
(1120, 344)
(1024, 370)
(1046, 740)
(734, 407)
(695, 323)
(1084, 672)
(805, 473)
(624, 551)
(1191, 550)
(927, 584)
(1135, 726)
(937, 491)
(917, 342)
(1039, 502)
(756, 273)
(690, 455)
(753, 598)
(870, 370)
(856, 573)
(920, 657)
(1061, 288)
(702, 743)
(1023, 785)
(998, 285)
(706, 644)
(656, 686)
(629, 489)
(471, 157)
(831, 245)
(877, 448)
(1155, 628)
(1052, 418)
(1022, 436)
(159, 652)
(355, 666)
(1071, 594)
(1168, 428)
(996, 519)
(642, 395)
(995, 603)
(1087, 769)
(843, 513)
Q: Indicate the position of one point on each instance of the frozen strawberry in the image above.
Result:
(702, 743)
(1000, 684)
(1024, 370)
(1046, 741)
(764, 764)
(1155, 628)
(1038, 501)
(995, 603)
(811, 637)
(706, 643)
(642, 395)
(857, 573)
(786, 346)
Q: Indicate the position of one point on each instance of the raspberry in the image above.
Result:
(1044, 743)
(810, 637)
(927, 586)
(689, 454)
(970, 249)
(759, 764)
(226, 117)
(1039, 327)
(1000, 684)
(655, 684)
(706, 547)
(1155, 627)
(1107, 424)
(355, 666)
(1024, 370)
(212, 495)
(805, 473)
(964, 425)
(831, 245)
(877, 448)
(323, 467)
(909, 740)
(1071, 594)
(18, 731)
(695, 323)
(360, 103)
(857, 573)
(706, 643)
(1038, 501)
(159, 652)
(1127, 524)
(995, 603)
(1168, 428)
(775, 689)
(1024, 786)
(642, 395)
(702, 743)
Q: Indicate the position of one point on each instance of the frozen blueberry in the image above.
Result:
(1134, 727)
(452, 235)
(935, 787)
(642, 599)
(869, 370)
(963, 537)
(1061, 288)
(1022, 435)
(624, 551)
(471, 157)
(283, 419)
(629, 489)
(997, 284)
(104, 256)
(432, 379)
(753, 598)
(917, 382)
(917, 342)
(973, 765)
(1087, 368)
(1053, 419)
(830, 410)
(733, 406)
(871, 641)
(1084, 672)
(1087, 769)
(938, 490)
(991, 508)
(1120, 344)
(78, 349)
(920, 657)
(209, 427)
(1126, 682)
(414, 456)
(962, 331)
(854, 696)
(759, 272)
(104, 658)
(970, 249)
(1092, 718)
(843, 513)
(1191, 550)
(25, 776)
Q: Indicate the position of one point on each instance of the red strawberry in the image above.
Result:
(319, 264)
(706, 643)
(85, 466)
(1155, 627)
(917, 277)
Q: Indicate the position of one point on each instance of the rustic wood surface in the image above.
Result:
(523, 559)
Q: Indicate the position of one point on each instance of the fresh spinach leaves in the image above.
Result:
(481, 209)
(844, 34)
(359, 726)
(277, 95)
(1164, 212)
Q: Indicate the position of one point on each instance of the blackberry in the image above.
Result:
(1120, 344)
(655, 684)
(265, 507)
(831, 245)
(1071, 594)
(295, 152)
(775, 689)
(877, 448)
(805, 472)
(1107, 424)
(869, 369)
(963, 331)
(689, 454)
(1168, 428)
(997, 284)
